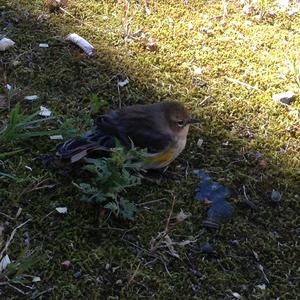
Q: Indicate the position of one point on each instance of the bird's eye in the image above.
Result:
(180, 123)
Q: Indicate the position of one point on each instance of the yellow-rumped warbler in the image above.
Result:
(161, 128)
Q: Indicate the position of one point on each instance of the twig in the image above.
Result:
(242, 83)
(170, 214)
(11, 237)
(66, 12)
(150, 202)
(225, 10)
(130, 280)
(17, 289)
(162, 235)
(247, 200)
(50, 213)
(6, 216)
(42, 293)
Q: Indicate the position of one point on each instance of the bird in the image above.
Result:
(160, 128)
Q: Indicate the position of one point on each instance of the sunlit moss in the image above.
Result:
(249, 140)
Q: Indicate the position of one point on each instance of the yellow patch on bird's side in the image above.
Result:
(161, 157)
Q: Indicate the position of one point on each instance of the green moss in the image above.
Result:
(248, 140)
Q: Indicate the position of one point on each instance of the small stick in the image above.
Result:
(66, 12)
(150, 202)
(166, 231)
(242, 83)
(6, 216)
(12, 236)
(15, 288)
(42, 293)
(247, 200)
(134, 274)
(225, 11)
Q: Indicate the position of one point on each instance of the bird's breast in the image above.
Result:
(165, 157)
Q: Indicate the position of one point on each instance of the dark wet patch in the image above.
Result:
(214, 194)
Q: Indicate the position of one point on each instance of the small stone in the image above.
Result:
(234, 242)
(202, 83)
(285, 97)
(119, 282)
(66, 264)
(207, 30)
(77, 275)
(26, 238)
(276, 196)
(197, 273)
(207, 248)
(151, 45)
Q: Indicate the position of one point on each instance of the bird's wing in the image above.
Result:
(143, 129)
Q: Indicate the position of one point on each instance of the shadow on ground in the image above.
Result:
(114, 258)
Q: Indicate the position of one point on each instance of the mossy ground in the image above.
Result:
(249, 140)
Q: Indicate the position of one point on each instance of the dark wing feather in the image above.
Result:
(145, 129)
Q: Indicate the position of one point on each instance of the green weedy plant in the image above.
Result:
(20, 126)
(96, 103)
(113, 175)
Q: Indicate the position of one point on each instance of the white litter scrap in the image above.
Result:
(197, 70)
(5, 261)
(43, 45)
(236, 295)
(31, 98)
(8, 86)
(122, 83)
(199, 143)
(81, 43)
(36, 279)
(6, 43)
(45, 112)
(62, 210)
(56, 137)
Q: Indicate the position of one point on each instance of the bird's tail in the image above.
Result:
(75, 149)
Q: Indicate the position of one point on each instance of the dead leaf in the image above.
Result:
(181, 216)
(169, 243)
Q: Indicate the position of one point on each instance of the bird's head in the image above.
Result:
(178, 116)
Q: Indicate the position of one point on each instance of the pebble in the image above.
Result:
(285, 97)
(276, 196)
(66, 264)
(207, 248)
(77, 275)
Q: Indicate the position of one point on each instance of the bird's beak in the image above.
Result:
(193, 121)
